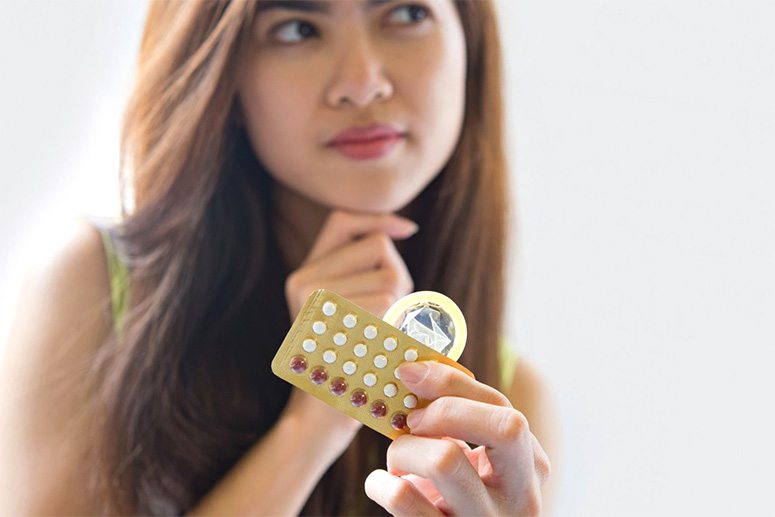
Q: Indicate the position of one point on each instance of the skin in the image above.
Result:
(308, 77)
(336, 229)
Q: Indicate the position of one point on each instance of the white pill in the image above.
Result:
(390, 390)
(318, 327)
(369, 379)
(360, 349)
(411, 354)
(380, 361)
(329, 308)
(410, 401)
(329, 356)
(390, 344)
(349, 367)
(340, 339)
(350, 321)
(396, 375)
(370, 332)
(309, 345)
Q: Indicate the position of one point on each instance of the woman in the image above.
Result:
(270, 149)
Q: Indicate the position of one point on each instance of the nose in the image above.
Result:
(359, 76)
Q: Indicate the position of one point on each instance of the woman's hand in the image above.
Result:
(355, 257)
(433, 471)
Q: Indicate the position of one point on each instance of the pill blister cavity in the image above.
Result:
(350, 321)
(370, 332)
(319, 328)
(369, 379)
(378, 409)
(358, 398)
(340, 339)
(338, 386)
(349, 367)
(309, 345)
(298, 364)
(360, 350)
(329, 356)
(410, 402)
(380, 361)
(411, 354)
(398, 421)
(390, 344)
(390, 390)
(329, 308)
(318, 375)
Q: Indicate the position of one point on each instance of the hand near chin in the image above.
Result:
(355, 257)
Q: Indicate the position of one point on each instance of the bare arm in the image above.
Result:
(63, 316)
(44, 421)
(529, 395)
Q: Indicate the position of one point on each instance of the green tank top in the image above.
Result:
(119, 298)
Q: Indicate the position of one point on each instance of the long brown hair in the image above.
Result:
(186, 388)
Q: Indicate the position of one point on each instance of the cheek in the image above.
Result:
(435, 88)
(275, 106)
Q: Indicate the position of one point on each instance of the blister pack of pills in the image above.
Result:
(347, 357)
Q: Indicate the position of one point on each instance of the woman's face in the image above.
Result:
(317, 69)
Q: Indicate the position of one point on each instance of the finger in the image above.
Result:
(377, 304)
(373, 252)
(342, 227)
(503, 431)
(429, 490)
(397, 496)
(543, 466)
(362, 284)
(431, 380)
(444, 463)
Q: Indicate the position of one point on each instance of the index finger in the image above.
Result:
(431, 380)
(341, 227)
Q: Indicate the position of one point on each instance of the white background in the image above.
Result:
(642, 141)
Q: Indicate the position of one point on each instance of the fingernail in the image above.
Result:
(413, 372)
(413, 420)
(411, 227)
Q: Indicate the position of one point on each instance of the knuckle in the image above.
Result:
(511, 425)
(386, 300)
(383, 242)
(293, 282)
(543, 466)
(532, 504)
(391, 279)
(401, 498)
(448, 460)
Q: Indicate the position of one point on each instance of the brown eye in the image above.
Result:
(408, 14)
(294, 31)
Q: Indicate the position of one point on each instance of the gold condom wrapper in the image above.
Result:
(345, 356)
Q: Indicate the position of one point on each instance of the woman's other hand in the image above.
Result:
(433, 471)
(355, 257)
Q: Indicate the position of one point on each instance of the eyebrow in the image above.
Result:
(309, 6)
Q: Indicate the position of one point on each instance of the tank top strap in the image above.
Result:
(118, 274)
(508, 362)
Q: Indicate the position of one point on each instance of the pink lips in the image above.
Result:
(365, 143)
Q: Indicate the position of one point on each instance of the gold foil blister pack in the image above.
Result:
(347, 357)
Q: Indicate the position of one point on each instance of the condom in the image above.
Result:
(432, 319)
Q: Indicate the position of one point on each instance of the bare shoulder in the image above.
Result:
(61, 318)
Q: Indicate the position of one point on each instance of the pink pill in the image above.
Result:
(318, 375)
(298, 364)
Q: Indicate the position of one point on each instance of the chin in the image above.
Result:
(373, 204)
